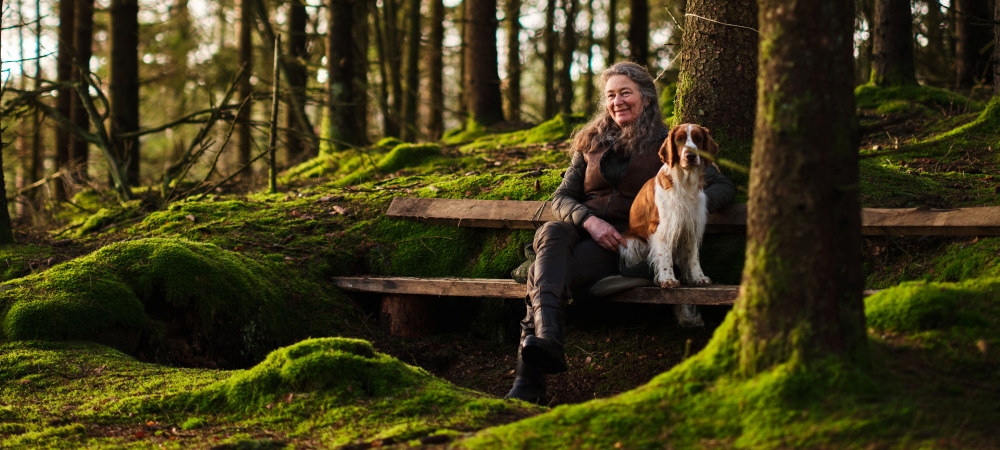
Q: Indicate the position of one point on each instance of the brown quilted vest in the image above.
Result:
(611, 200)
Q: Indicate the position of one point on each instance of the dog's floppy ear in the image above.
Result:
(710, 146)
(668, 153)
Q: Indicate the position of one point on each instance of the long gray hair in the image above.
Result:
(646, 133)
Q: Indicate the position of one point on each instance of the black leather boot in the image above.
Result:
(529, 383)
(544, 349)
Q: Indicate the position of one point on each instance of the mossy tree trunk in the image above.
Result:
(717, 85)
(892, 44)
(801, 298)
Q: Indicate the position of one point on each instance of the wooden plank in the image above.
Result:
(506, 288)
(441, 287)
(514, 214)
(520, 214)
(973, 221)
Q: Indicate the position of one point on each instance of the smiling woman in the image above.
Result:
(612, 157)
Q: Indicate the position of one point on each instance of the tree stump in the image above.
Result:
(407, 316)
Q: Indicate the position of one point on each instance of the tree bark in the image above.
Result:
(412, 70)
(612, 33)
(347, 64)
(124, 85)
(482, 77)
(717, 83)
(393, 64)
(566, 88)
(996, 49)
(83, 38)
(549, 59)
(801, 294)
(892, 44)
(589, 90)
(435, 69)
(244, 137)
(638, 33)
(972, 39)
(299, 138)
(512, 15)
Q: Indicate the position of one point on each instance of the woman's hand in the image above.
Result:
(603, 233)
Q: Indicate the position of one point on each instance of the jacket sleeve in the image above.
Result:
(719, 189)
(567, 201)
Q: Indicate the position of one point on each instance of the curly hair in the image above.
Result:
(646, 133)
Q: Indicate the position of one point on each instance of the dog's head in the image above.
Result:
(688, 145)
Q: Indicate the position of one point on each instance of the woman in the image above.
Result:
(613, 156)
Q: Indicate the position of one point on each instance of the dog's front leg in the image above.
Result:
(661, 259)
(695, 276)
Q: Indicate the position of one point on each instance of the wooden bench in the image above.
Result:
(406, 299)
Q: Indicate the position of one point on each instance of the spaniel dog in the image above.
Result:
(668, 216)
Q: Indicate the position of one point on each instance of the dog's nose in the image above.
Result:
(692, 155)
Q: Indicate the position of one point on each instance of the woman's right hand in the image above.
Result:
(603, 233)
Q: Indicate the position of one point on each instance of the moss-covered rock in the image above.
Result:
(139, 295)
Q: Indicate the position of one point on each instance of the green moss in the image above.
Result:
(326, 392)
(125, 294)
(407, 155)
(894, 99)
(556, 129)
(922, 306)
(17, 260)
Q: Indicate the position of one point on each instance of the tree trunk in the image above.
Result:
(435, 69)
(571, 7)
(612, 33)
(638, 33)
(996, 48)
(394, 63)
(244, 137)
(6, 229)
(482, 77)
(892, 44)
(717, 83)
(83, 38)
(972, 41)
(512, 14)
(549, 59)
(299, 138)
(347, 64)
(801, 294)
(412, 87)
(589, 90)
(124, 85)
(64, 99)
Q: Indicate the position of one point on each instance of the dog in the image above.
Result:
(668, 216)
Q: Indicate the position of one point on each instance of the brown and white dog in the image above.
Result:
(668, 216)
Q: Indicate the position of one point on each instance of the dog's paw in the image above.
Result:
(700, 281)
(668, 284)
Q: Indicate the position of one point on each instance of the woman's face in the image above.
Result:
(624, 101)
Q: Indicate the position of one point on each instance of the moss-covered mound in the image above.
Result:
(318, 393)
(138, 296)
(701, 404)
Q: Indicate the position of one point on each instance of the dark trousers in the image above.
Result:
(567, 263)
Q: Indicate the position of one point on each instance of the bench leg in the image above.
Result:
(407, 316)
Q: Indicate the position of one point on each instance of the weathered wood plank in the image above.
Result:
(441, 287)
(505, 288)
(520, 214)
(971, 221)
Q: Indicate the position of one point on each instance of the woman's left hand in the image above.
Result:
(603, 233)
